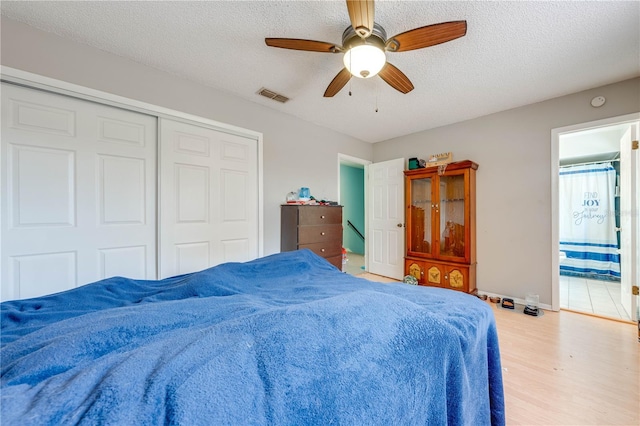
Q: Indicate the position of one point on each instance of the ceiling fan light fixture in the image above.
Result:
(364, 44)
(364, 60)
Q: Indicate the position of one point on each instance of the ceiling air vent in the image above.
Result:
(272, 95)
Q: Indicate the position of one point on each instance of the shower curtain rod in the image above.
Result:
(591, 162)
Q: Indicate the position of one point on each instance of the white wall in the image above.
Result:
(513, 150)
(296, 153)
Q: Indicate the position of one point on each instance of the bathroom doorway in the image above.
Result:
(595, 218)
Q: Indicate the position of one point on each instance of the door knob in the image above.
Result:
(399, 225)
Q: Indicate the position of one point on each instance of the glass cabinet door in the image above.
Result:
(420, 232)
(452, 217)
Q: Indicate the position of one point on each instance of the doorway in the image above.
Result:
(351, 195)
(592, 271)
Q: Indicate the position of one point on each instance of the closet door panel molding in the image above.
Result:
(78, 191)
(120, 173)
(208, 198)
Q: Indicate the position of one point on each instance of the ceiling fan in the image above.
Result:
(365, 42)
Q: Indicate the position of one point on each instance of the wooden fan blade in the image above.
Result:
(395, 78)
(361, 14)
(337, 83)
(427, 36)
(299, 44)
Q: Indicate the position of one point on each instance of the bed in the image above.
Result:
(285, 339)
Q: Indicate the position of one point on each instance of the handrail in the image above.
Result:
(352, 226)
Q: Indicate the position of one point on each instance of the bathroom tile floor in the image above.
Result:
(592, 296)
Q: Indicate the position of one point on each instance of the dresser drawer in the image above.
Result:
(329, 249)
(320, 215)
(318, 228)
(319, 234)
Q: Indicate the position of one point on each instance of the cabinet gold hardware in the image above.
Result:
(635, 290)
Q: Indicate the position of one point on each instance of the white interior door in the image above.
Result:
(208, 198)
(78, 183)
(385, 218)
(635, 260)
(629, 208)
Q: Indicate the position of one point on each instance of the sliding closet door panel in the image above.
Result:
(208, 198)
(78, 193)
(238, 207)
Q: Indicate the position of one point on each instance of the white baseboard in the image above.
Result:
(516, 300)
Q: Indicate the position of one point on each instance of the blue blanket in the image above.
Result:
(285, 339)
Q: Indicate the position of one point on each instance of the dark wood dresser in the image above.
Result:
(317, 228)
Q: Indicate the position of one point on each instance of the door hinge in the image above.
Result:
(634, 144)
(635, 290)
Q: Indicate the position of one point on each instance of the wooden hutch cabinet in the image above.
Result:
(318, 228)
(441, 221)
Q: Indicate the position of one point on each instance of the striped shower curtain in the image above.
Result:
(587, 221)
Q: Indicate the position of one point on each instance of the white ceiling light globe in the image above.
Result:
(364, 61)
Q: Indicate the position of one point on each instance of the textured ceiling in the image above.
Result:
(514, 53)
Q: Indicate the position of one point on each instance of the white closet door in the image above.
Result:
(208, 198)
(78, 183)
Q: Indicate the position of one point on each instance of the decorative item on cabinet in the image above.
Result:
(440, 218)
(416, 163)
(439, 159)
(315, 227)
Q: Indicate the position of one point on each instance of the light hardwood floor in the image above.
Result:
(565, 368)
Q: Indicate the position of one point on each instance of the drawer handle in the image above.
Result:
(322, 233)
(322, 250)
(322, 217)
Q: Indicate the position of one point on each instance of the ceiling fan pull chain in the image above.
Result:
(349, 53)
